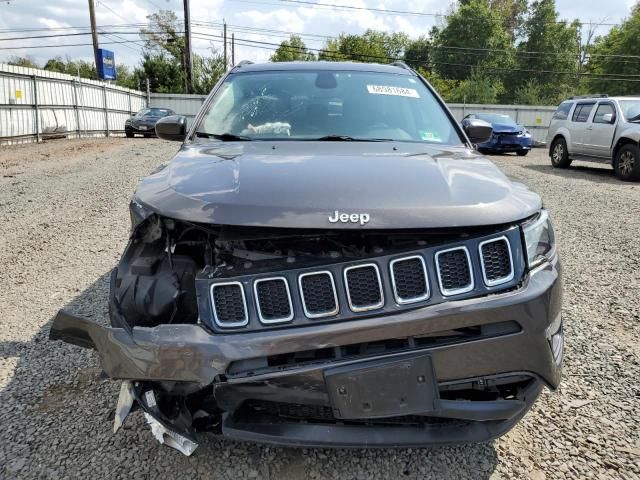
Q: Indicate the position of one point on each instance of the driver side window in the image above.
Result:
(604, 109)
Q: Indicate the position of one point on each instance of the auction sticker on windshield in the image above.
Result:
(389, 90)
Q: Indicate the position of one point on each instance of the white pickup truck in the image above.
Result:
(597, 128)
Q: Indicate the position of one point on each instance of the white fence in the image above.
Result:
(38, 104)
(535, 119)
(187, 105)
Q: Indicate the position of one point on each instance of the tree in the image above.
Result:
(292, 50)
(80, 68)
(549, 45)
(207, 71)
(164, 73)
(418, 53)
(372, 46)
(26, 62)
(478, 88)
(473, 39)
(607, 57)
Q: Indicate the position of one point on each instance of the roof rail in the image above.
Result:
(401, 64)
(244, 62)
(595, 95)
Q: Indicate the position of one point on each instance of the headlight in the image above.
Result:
(138, 212)
(539, 239)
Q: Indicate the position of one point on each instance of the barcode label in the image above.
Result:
(389, 90)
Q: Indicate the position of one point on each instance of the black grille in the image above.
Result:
(409, 279)
(229, 304)
(324, 414)
(273, 300)
(454, 270)
(363, 284)
(496, 260)
(318, 294)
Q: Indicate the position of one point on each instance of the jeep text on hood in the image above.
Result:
(327, 262)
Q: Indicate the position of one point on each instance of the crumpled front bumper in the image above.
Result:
(191, 354)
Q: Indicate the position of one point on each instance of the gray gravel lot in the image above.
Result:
(63, 211)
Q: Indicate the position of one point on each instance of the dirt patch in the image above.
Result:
(13, 158)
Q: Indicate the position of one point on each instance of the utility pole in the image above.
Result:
(233, 49)
(188, 65)
(94, 32)
(225, 45)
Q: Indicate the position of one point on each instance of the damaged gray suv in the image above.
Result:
(328, 262)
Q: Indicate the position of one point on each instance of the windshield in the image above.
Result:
(496, 118)
(326, 105)
(153, 112)
(630, 109)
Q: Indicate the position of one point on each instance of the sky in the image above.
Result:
(280, 17)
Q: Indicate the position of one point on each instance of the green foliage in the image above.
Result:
(418, 53)
(559, 45)
(478, 88)
(292, 50)
(473, 39)
(23, 62)
(372, 46)
(623, 40)
(76, 68)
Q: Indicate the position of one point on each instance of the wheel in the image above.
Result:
(559, 154)
(627, 163)
(522, 153)
(129, 134)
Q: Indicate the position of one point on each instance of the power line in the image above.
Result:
(331, 6)
(339, 55)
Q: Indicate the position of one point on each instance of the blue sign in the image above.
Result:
(106, 65)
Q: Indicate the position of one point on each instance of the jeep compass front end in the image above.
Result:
(328, 262)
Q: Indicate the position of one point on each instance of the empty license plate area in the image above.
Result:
(383, 388)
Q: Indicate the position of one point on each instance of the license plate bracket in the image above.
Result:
(383, 388)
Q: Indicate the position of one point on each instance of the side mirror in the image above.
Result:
(172, 128)
(608, 118)
(477, 130)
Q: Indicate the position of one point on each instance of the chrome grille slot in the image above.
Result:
(454, 271)
(364, 287)
(318, 293)
(229, 304)
(273, 300)
(409, 279)
(496, 261)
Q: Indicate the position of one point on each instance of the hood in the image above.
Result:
(506, 128)
(301, 184)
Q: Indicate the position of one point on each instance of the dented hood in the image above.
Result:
(294, 184)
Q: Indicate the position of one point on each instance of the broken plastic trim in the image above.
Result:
(130, 396)
(170, 438)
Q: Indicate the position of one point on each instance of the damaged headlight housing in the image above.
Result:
(138, 212)
(539, 239)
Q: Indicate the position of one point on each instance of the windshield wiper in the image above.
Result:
(634, 119)
(347, 138)
(225, 137)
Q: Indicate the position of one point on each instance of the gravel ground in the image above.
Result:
(63, 211)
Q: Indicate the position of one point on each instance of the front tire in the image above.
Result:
(129, 134)
(559, 154)
(522, 153)
(627, 163)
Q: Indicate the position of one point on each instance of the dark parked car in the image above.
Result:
(144, 122)
(327, 262)
(508, 136)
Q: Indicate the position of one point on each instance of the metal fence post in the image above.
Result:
(148, 93)
(35, 104)
(106, 110)
(76, 105)
(129, 96)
